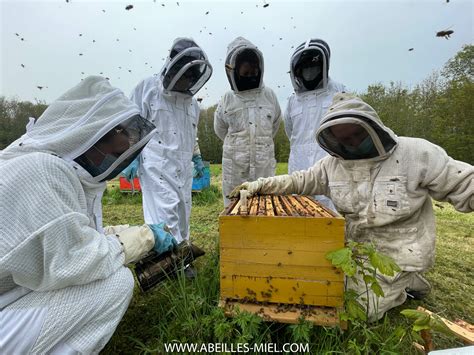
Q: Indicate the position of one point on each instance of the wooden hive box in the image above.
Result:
(275, 252)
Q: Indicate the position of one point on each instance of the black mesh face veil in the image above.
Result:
(187, 68)
(248, 59)
(117, 148)
(244, 65)
(373, 140)
(309, 65)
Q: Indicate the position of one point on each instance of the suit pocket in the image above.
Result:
(390, 196)
(341, 196)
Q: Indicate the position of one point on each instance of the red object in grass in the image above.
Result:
(127, 186)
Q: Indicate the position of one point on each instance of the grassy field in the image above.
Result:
(186, 311)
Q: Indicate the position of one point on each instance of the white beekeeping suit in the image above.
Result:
(246, 119)
(166, 169)
(63, 283)
(384, 188)
(314, 90)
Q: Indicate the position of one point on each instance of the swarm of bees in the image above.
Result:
(444, 34)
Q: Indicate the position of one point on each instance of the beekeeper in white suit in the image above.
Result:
(314, 91)
(382, 184)
(246, 119)
(166, 164)
(63, 283)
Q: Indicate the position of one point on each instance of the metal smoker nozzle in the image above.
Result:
(153, 268)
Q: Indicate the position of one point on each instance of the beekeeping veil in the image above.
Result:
(309, 65)
(92, 126)
(349, 110)
(238, 51)
(187, 68)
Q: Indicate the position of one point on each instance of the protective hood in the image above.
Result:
(238, 47)
(378, 144)
(313, 55)
(79, 119)
(186, 69)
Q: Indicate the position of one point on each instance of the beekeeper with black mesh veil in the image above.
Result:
(314, 91)
(165, 167)
(246, 119)
(63, 283)
(383, 185)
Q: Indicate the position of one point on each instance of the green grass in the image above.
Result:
(187, 311)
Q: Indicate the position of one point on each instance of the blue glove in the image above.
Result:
(130, 172)
(164, 241)
(198, 169)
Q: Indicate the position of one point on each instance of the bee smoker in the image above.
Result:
(154, 268)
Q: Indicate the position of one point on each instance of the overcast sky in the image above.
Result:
(369, 40)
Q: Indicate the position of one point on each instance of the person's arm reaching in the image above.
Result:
(306, 182)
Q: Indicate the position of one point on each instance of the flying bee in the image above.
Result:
(199, 99)
(411, 49)
(128, 7)
(266, 5)
(40, 87)
(446, 34)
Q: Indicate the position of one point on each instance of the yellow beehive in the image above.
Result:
(273, 251)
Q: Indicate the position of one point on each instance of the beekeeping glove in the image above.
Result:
(252, 188)
(164, 241)
(131, 171)
(198, 170)
(136, 241)
(277, 185)
(115, 229)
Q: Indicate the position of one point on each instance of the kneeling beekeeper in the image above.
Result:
(63, 283)
(382, 184)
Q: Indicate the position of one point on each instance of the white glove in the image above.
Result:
(275, 185)
(252, 188)
(136, 242)
(115, 229)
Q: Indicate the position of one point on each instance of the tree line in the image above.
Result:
(439, 109)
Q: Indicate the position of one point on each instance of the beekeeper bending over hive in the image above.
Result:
(382, 184)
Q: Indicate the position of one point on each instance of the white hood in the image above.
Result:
(233, 50)
(320, 47)
(347, 108)
(75, 121)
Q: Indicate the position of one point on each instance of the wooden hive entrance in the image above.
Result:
(272, 259)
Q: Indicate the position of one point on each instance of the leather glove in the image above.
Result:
(131, 171)
(136, 242)
(252, 188)
(198, 170)
(164, 241)
(115, 229)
